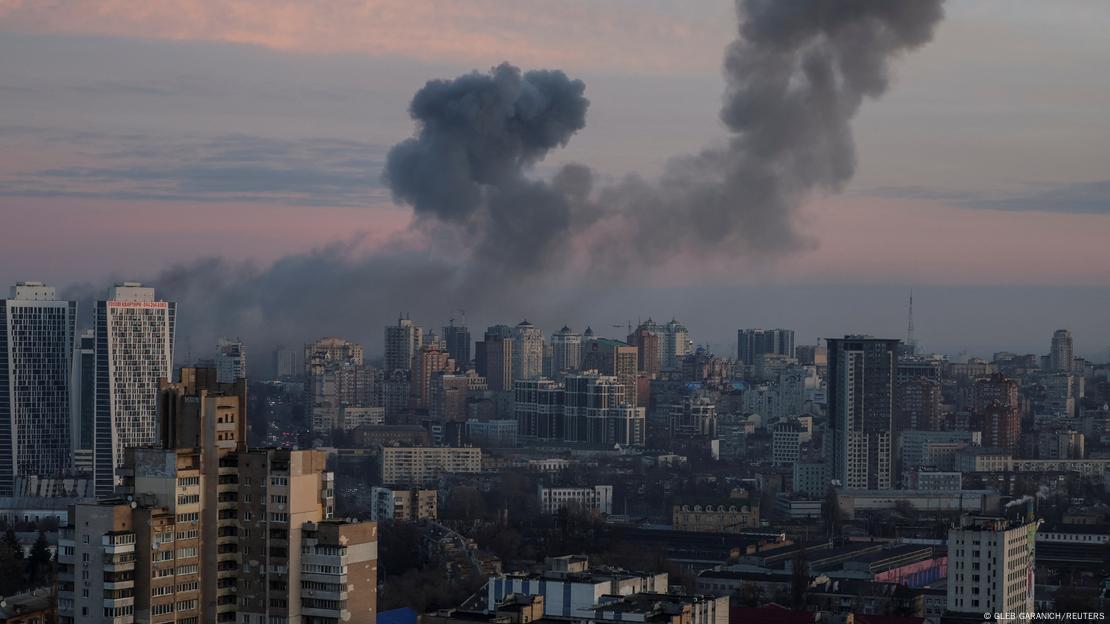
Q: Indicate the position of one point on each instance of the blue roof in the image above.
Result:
(404, 615)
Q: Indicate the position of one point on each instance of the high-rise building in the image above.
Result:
(919, 405)
(83, 402)
(751, 343)
(1061, 357)
(494, 357)
(997, 407)
(231, 360)
(648, 343)
(861, 410)
(615, 358)
(431, 361)
(233, 535)
(36, 359)
(527, 351)
(401, 343)
(566, 352)
(693, 416)
(674, 344)
(288, 363)
(538, 407)
(450, 394)
(457, 338)
(134, 352)
(990, 566)
(596, 411)
(335, 377)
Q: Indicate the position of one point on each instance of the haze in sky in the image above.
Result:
(232, 156)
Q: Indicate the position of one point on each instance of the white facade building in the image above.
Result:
(527, 351)
(596, 499)
(36, 358)
(134, 350)
(990, 566)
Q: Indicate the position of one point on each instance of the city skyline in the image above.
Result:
(299, 208)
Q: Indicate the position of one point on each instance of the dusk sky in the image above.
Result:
(139, 137)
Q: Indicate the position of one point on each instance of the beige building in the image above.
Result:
(234, 533)
(424, 464)
(403, 504)
(728, 518)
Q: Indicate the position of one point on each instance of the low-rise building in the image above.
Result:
(417, 465)
(407, 505)
(727, 517)
(597, 499)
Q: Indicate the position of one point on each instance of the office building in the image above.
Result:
(1061, 356)
(134, 351)
(37, 333)
(786, 443)
(494, 358)
(566, 352)
(527, 352)
(861, 410)
(593, 500)
(417, 465)
(231, 360)
(83, 403)
(401, 343)
(752, 343)
(990, 566)
(457, 338)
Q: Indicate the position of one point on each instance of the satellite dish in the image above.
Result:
(134, 504)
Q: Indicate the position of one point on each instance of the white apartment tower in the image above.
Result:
(527, 351)
(402, 341)
(134, 350)
(990, 565)
(36, 358)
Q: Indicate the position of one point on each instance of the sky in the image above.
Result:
(165, 141)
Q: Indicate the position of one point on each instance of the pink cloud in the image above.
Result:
(571, 33)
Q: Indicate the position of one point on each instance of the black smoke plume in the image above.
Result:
(795, 77)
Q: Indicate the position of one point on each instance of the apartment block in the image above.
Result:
(424, 464)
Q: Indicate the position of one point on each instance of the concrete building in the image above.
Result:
(401, 343)
(751, 343)
(694, 415)
(598, 413)
(648, 349)
(1061, 355)
(811, 478)
(861, 410)
(918, 405)
(451, 394)
(494, 358)
(786, 443)
(407, 505)
(931, 501)
(335, 377)
(596, 500)
(134, 351)
(616, 359)
(527, 351)
(727, 517)
(231, 360)
(1001, 426)
(430, 362)
(83, 403)
(37, 333)
(458, 344)
(573, 592)
(990, 566)
(417, 465)
(491, 433)
(662, 608)
(538, 407)
(932, 479)
(566, 352)
(926, 448)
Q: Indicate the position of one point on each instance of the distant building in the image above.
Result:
(37, 333)
(597, 499)
(401, 343)
(786, 442)
(726, 517)
(231, 360)
(751, 343)
(1001, 426)
(458, 344)
(566, 352)
(335, 377)
(861, 410)
(288, 363)
(616, 359)
(407, 505)
(494, 358)
(990, 566)
(527, 359)
(694, 415)
(927, 479)
(1061, 355)
(598, 413)
(83, 403)
(134, 351)
(569, 591)
(417, 465)
(648, 348)
(431, 361)
(538, 408)
(491, 433)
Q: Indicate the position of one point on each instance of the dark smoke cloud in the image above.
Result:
(794, 79)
